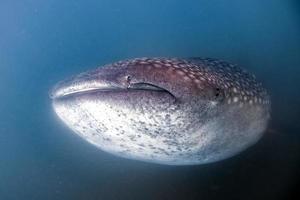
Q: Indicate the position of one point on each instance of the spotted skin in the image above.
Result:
(165, 110)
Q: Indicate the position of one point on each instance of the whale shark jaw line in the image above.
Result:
(58, 92)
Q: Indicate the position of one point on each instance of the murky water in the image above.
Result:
(42, 42)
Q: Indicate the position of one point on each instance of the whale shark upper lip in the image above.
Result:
(60, 93)
(64, 88)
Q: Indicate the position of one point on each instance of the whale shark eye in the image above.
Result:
(128, 78)
(218, 94)
(215, 94)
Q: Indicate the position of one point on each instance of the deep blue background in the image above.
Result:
(42, 42)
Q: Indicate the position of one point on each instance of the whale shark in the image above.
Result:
(173, 111)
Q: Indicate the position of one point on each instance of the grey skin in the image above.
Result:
(168, 111)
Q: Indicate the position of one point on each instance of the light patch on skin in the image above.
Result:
(157, 65)
(180, 72)
(186, 78)
(191, 76)
(197, 81)
(171, 70)
(185, 70)
(213, 103)
(235, 99)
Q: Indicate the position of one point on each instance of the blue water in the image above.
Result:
(42, 42)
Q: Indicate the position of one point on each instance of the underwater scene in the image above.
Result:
(125, 100)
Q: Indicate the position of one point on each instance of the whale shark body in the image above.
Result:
(165, 110)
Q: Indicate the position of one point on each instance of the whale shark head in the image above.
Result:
(171, 76)
(169, 111)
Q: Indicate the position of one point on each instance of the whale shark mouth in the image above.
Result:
(148, 87)
(73, 90)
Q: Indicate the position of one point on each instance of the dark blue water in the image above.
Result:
(42, 42)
